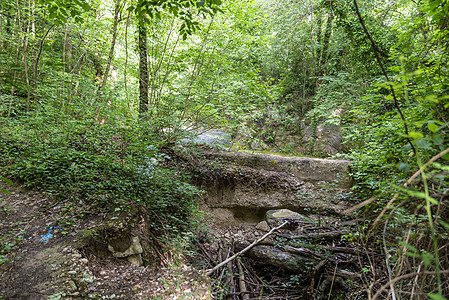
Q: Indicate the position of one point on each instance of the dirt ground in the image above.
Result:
(35, 265)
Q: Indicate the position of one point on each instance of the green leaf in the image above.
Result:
(408, 246)
(423, 144)
(74, 13)
(436, 297)
(4, 191)
(416, 135)
(437, 140)
(427, 258)
(404, 167)
(432, 127)
(444, 224)
(63, 12)
(418, 195)
(6, 180)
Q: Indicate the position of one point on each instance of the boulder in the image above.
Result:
(263, 226)
(324, 137)
(277, 217)
(132, 252)
(217, 139)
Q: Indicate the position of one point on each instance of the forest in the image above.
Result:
(97, 99)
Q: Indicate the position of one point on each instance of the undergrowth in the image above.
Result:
(101, 167)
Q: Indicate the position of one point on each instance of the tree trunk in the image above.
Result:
(312, 34)
(327, 35)
(111, 52)
(36, 62)
(24, 58)
(143, 70)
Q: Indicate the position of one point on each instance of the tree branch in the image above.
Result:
(379, 61)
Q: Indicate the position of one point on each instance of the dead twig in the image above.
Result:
(405, 276)
(242, 284)
(360, 205)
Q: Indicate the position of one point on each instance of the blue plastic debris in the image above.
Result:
(45, 238)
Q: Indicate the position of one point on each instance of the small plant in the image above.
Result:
(3, 207)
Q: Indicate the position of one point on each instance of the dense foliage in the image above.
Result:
(93, 94)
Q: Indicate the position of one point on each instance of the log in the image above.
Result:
(270, 255)
(293, 262)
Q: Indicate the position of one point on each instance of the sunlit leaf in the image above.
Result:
(432, 127)
(416, 135)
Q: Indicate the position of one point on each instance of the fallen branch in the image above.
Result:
(360, 205)
(242, 284)
(210, 272)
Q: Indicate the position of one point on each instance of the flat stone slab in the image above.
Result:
(307, 169)
(251, 184)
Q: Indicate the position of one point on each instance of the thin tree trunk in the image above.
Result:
(64, 47)
(327, 35)
(319, 41)
(197, 67)
(114, 37)
(24, 59)
(36, 63)
(143, 70)
(126, 57)
(156, 70)
(379, 61)
(20, 30)
(313, 46)
(78, 82)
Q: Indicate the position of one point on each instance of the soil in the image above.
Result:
(34, 268)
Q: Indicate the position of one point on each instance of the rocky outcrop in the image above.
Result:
(255, 183)
(322, 138)
(123, 235)
(313, 170)
(129, 249)
(217, 139)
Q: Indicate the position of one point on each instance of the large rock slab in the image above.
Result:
(308, 169)
(251, 184)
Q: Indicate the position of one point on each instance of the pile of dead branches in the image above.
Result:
(295, 260)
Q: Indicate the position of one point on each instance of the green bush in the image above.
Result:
(106, 167)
